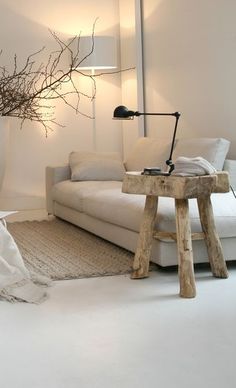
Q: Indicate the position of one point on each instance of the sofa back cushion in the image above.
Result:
(230, 166)
(96, 166)
(148, 152)
(214, 150)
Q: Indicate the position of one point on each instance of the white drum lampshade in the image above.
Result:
(99, 53)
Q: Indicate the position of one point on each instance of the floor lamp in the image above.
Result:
(103, 57)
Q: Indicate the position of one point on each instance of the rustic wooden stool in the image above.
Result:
(181, 189)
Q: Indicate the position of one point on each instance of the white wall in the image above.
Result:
(132, 81)
(190, 64)
(24, 29)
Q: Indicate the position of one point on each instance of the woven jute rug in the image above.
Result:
(60, 250)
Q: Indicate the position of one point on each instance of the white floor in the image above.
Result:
(121, 333)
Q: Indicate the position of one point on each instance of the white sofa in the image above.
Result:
(100, 207)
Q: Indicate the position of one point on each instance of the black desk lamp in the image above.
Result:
(123, 113)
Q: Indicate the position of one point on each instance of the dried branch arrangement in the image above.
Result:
(28, 92)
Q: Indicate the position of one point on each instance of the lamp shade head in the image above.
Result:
(123, 113)
(103, 55)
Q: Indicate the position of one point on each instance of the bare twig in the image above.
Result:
(24, 92)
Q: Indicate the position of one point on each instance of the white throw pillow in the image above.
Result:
(148, 152)
(214, 150)
(96, 166)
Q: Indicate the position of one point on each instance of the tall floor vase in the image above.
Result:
(4, 137)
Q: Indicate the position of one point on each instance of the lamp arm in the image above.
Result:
(169, 161)
(153, 114)
(121, 112)
(177, 116)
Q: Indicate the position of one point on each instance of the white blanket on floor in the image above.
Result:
(16, 283)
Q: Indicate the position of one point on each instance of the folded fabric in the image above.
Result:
(192, 166)
(16, 282)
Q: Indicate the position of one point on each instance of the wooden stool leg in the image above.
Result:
(185, 252)
(144, 246)
(212, 240)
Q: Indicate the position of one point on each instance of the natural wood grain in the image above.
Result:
(172, 235)
(222, 184)
(213, 244)
(175, 186)
(185, 252)
(143, 251)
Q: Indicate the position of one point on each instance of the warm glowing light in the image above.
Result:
(69, 17)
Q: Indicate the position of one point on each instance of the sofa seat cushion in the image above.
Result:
(224, 209)
(105, 201)
(125, 210)
(72, 194)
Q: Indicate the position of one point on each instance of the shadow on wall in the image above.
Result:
(69, 17)
(190, 61)
(24, 35)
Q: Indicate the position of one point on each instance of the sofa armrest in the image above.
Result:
(53, 176)
(230, 166)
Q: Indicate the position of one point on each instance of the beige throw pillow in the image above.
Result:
(214, 150)
(96, 166)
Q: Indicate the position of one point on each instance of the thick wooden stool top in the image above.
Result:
(179, 187)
